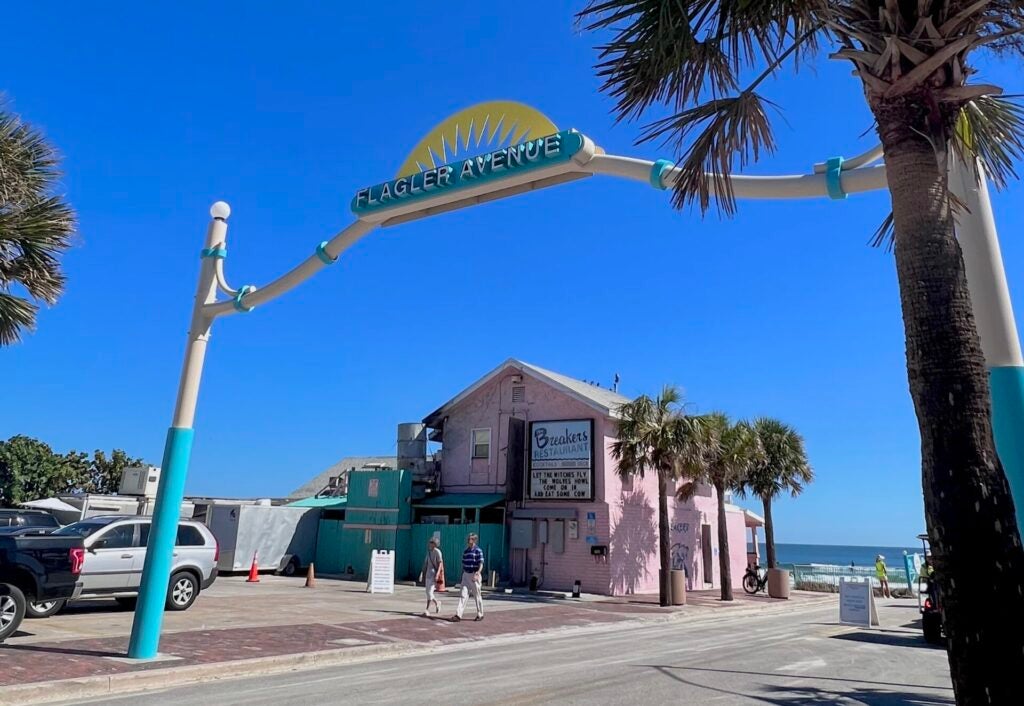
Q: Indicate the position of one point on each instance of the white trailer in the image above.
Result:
(92, 505)
(282, 538)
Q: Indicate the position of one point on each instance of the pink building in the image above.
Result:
(543, 441)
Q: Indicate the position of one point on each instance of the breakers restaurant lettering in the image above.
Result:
(493, 165)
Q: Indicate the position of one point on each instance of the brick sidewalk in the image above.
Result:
(71, 659)
(36, 663)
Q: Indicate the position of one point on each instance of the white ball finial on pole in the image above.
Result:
(220, 210)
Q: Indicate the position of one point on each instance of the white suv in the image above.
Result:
(115, 551)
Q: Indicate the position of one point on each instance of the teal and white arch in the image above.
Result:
(499, 149)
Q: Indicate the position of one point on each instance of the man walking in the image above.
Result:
(472, 566)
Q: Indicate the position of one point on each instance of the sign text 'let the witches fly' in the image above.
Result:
(499, 164)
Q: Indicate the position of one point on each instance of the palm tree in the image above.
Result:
(730, 451)
(707, 61)
(35, 227)
(783, 467)
(656, 436)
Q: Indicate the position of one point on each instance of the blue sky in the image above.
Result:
(783, 310)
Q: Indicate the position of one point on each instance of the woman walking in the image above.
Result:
(433, 575)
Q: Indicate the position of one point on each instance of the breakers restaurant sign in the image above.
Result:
(561, 460)
(499, 164)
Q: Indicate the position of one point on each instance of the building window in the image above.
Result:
(481, 443)
(518, 393)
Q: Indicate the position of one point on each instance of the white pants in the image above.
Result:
(470, 587)
(431, 586)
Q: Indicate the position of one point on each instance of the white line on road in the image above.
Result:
(802, 666)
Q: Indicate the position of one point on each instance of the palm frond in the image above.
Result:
(16, 315)
(683, 51)
(28, 164)
(36, 226)
(885, 234)
(782, 465)
(991, 128)
(714, 137)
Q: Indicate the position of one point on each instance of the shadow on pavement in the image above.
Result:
(875, 694)
(96, 606)
(896, 639)
(62, 651)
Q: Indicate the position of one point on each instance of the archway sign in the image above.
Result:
(499, 149)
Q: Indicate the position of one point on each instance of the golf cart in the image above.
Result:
(928, 601)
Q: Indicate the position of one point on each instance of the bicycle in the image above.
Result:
(753, 581)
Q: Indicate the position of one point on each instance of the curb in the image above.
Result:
(159, 678)
(131, 682)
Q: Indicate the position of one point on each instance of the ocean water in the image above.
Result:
(840, 555)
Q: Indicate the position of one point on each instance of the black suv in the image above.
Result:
(27, 518)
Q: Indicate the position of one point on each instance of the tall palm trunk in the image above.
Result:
(664, 543)
(970, 513)
(769, 532)
(724, 565)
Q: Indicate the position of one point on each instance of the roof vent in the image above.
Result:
(518, 393)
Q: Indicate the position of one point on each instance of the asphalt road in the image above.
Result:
(794, 659)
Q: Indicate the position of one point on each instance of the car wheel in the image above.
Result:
(182, 592)
(291, 568)
(12, 609)
(932, 624)
(43, 609)
(128, 603)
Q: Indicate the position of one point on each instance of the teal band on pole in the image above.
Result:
(833, 178)
(156, 572)
(658, 170)
(214, 252)
(239, 306)
(1008, 427)
(321, 252)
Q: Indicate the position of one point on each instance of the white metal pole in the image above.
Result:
(993, 315)
(156, 572)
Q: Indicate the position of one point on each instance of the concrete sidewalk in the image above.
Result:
(238, 629)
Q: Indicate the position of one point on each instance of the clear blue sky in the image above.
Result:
(784, 310)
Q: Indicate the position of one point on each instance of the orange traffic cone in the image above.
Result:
(310, 577)
(441, 588)
(254, 571)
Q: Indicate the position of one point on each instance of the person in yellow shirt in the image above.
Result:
(883, 575)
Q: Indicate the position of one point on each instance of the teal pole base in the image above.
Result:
(1008, 426)
(156, 572)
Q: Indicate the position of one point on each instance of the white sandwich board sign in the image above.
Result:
(857, 603)
(382, 571)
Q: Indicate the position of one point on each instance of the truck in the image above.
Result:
(36, 567)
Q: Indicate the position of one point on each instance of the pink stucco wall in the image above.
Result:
(626, 513)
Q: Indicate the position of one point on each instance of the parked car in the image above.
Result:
(10, 517)
(115, 552)
(33, 568)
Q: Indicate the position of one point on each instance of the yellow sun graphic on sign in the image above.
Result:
(490, 124)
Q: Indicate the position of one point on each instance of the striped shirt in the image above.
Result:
(472, 560)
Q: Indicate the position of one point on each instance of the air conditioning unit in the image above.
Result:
(139, 480)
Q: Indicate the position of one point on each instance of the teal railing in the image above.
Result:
(825, 577)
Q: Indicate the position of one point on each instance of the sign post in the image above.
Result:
(526, 152)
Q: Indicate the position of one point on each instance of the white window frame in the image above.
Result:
(473, 444)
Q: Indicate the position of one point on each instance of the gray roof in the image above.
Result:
(320, 481)
(600, 398)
